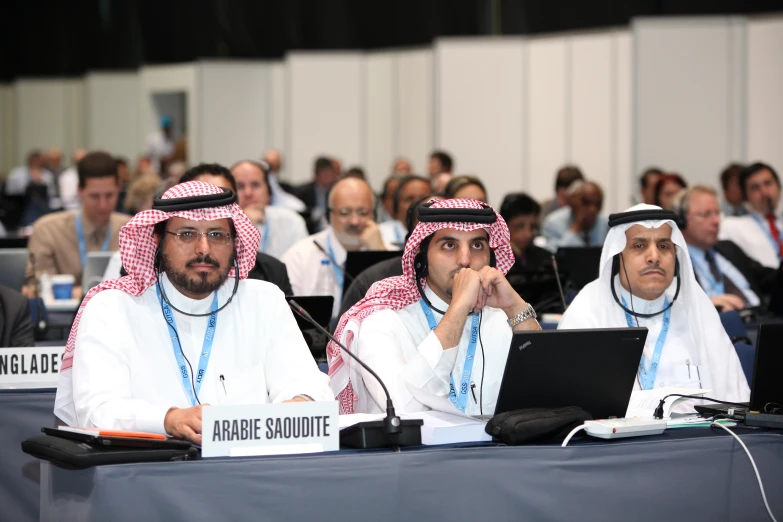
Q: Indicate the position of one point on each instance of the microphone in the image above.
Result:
(348, 276)
(392, 431)
(559, 284)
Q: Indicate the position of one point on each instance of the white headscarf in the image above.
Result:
(693, 316)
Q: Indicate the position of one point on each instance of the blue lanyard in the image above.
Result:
(206, 350)
(647, 375)
(83, 245)
(768, 232)
(706, 273)
(460, 402)
(265, 237)
(338, 271)
(397, 233)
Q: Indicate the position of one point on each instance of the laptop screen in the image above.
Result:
(767, 370)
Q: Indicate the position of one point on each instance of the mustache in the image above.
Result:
(653, 269)
(203, 260)
(353, 230)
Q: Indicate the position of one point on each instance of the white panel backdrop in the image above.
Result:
(414, 124)
(7, 128)
(112, 116)
(379, 116)
(234, 110)
(686, 105)
(764, 87)
(325, 93)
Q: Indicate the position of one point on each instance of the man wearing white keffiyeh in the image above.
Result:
(444, 326)
(646, 279)
(184, 328)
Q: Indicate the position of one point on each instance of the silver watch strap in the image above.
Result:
(524, 315)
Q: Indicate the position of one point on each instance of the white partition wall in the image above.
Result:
(7, 128)
(325, 110)
(233, 110)
(49, 113)
(414, 107)
(764, 86)
(161, 79)
(380, 116)
(689, 107)
(480, 89)
(276, 108)
(112, 115)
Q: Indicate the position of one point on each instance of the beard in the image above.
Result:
(201, 283)
(351, 236)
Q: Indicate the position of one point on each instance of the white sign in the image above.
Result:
(35, 366)
(269, 429)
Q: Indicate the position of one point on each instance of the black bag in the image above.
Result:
(536, 424)
(74, 454)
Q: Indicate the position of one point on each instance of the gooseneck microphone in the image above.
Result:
(559, 284)
(392, 431)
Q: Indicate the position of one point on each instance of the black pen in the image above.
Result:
(223, 382)
(473, 391)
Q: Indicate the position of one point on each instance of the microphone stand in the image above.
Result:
(391, 431)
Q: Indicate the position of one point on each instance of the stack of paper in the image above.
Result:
(438, 427)
(644, 402)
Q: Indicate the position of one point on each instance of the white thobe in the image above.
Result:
(401, 348)
(754, 239)
(281, 198)
(126, 376)
(393, 232)
(286, 227)
(682, 363)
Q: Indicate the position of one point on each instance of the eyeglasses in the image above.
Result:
(214, 237)
(345, 213)
(707, 214)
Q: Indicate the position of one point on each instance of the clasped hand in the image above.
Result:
(473, 290)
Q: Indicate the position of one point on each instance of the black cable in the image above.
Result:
(483, 364)
(176, 336)
(659, 410)
(630, 290)
(774, 410)
(230, 298)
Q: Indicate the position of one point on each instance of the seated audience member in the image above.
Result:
(579, 224)
(16, 327)
(386, 208)
(758, 233)
(402, 167)
(53, 161)
(313, 194)
(34, 172)
(646, 279)
(469, 187)
(667, 188)
(647, 182)
(520, 213)
(440, 163)
(409, 189)
(351, 228)
(733, 200)
(141, 193)
(564, 178)
(68, 182)
(282, 193)
(266, 268)
(60, 241)
(388, 268)
(188, 259)
(280, 227)
(123, 174)
(425, 337)
(730, 278)
(355, 172)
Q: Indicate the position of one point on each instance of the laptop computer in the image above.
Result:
(13, 242)
(13, 261)
(357, 262)
(93, 271)
(593, 369)
(580, 264)
(766, 386)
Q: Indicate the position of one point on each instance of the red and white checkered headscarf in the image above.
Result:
(396, 293)
(137, 250)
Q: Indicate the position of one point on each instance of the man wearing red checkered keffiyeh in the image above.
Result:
(444, 326)
(185, 327)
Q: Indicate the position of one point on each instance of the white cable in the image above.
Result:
(574, 432)
(758, 477)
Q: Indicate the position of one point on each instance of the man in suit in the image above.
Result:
(730, 278)
(314, 194)
(16, 327)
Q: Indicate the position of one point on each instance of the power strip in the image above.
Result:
(621, 428)
(764, 420)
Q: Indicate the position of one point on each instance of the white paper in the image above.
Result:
(644, 402)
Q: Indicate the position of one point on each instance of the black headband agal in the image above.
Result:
(634, 216)
(484, 215)
(195, 202)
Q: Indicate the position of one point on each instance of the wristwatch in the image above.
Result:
(524, 315)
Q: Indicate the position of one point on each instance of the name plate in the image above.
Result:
(30, 367)
(269, 429)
